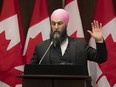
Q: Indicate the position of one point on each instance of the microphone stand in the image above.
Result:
(45, 52)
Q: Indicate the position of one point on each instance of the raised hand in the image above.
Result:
(96, 32)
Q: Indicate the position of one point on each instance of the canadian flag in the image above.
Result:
(104, 75)
(11, 58)
(39, 28)
(74, 27)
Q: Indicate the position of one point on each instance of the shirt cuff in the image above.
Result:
(100, 41)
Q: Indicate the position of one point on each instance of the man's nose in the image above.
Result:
(56, 26)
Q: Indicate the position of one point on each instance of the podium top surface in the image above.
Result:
(31, 69)
(55, 77)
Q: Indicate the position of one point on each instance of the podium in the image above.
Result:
(53, 76)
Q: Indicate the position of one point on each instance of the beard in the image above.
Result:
(58, 37)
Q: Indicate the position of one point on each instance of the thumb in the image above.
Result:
(90, 32)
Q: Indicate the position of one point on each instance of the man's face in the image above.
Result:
(58, 26)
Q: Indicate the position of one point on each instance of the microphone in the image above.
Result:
(46, 52)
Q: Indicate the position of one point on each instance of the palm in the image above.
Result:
(96, 32)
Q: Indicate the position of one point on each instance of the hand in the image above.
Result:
(96, 32)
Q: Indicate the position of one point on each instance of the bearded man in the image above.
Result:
(64, 50)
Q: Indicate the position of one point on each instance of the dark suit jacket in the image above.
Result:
(77, 52)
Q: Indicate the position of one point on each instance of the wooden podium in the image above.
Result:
(47, 79)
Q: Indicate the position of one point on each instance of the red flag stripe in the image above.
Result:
(67, 2)
(104, 11)
(5, 8)
(40, 12)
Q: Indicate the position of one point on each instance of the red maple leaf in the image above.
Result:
(3, 45)
(109, 67)
(11, 78)
(74, 34)
(9, 59)
(31, 46)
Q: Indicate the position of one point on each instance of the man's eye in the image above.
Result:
(60, 23)
(53, 23)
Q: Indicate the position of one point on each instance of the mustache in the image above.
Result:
(56, 32)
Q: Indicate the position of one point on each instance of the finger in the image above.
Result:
(89, 32)
(92, 25)
(100, 25)
(97, 24)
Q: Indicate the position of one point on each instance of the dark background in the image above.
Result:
(86, 7)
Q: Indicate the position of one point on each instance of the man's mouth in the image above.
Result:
(56, 32)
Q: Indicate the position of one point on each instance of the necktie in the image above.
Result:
(58, 49)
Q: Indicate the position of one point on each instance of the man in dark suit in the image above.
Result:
(66, 50)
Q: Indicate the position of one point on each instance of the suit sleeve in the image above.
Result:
(99, 54)
(35, 57)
